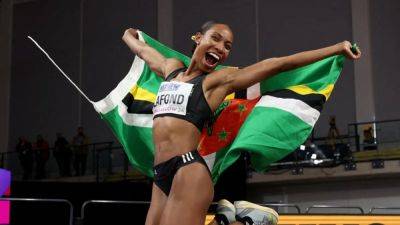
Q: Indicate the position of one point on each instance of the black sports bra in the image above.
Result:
(183, 100)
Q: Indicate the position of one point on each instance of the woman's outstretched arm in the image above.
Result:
(158, 63)
(243, 78)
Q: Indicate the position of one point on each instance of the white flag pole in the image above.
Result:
(62, 72)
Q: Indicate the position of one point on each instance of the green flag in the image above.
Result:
(269, 127)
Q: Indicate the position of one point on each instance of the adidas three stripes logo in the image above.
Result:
(187, 157)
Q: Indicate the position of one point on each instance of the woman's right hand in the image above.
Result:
(132, 32)
(345, 49)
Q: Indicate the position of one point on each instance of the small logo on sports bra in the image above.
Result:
(169, 87)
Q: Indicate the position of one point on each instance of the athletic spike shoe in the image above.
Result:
(252, 214)
(225, 212)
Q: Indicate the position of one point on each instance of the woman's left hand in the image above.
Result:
(346, 50)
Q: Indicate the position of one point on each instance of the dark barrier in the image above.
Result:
(70, 206)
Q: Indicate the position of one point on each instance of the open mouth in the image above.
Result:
(212, 59)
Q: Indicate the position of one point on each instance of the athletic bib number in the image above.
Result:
(172, 97)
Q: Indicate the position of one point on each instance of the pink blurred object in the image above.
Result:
(5, 182)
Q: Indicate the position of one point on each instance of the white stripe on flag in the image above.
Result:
(115, 97)
(138, 120)
(210, 160)
(298, 108)
(253, 91)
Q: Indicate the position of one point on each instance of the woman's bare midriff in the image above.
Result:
(172, 137)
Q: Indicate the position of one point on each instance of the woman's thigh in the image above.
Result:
(157, 205)
(191, 195)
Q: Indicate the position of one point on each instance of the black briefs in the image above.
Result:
(164, 172)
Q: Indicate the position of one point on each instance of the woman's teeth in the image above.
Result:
(216, 57)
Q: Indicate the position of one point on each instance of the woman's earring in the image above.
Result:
(193, 37)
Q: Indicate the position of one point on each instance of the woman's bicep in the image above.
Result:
(151, 56)
(159, 64)
(154, 60)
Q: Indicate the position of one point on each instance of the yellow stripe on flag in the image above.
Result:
(327, 91)
(229, 97)
(304, 90)
(142, 94)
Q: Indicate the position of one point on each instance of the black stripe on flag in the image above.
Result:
(315, 101)
(137, 106)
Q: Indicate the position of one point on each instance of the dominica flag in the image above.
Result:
(269, 126)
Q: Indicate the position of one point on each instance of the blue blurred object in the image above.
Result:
(5, 181)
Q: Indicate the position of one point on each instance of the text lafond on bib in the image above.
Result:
(172, 97)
